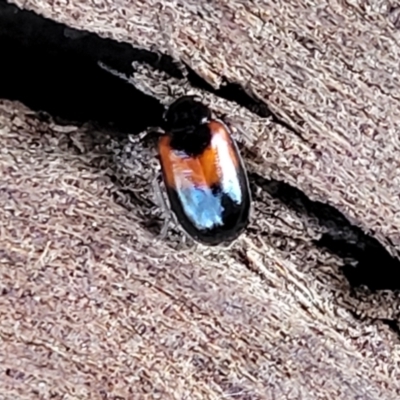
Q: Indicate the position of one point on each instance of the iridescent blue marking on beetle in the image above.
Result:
(202, 208)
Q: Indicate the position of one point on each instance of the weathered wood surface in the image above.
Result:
(93, 307)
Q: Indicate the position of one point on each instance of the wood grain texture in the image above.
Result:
(93, 307)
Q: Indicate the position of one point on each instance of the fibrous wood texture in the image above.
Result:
(93, 306)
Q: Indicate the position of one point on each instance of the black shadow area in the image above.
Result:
(366, 261)
(52, 68)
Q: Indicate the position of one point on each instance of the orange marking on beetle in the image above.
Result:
(217, 128)
(203, 170)
(210, 158)
(208, 161)
(174, 165)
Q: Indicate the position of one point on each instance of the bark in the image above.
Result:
(303, 306)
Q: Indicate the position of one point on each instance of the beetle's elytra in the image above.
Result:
(203, 172)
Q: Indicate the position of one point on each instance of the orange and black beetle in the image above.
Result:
(203, 172)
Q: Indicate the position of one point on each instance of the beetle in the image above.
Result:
(203, 173)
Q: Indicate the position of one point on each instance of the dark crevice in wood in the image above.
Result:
(234, 92)
(53, 69)
(366, 261)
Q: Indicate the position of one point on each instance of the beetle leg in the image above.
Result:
(160, 200)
